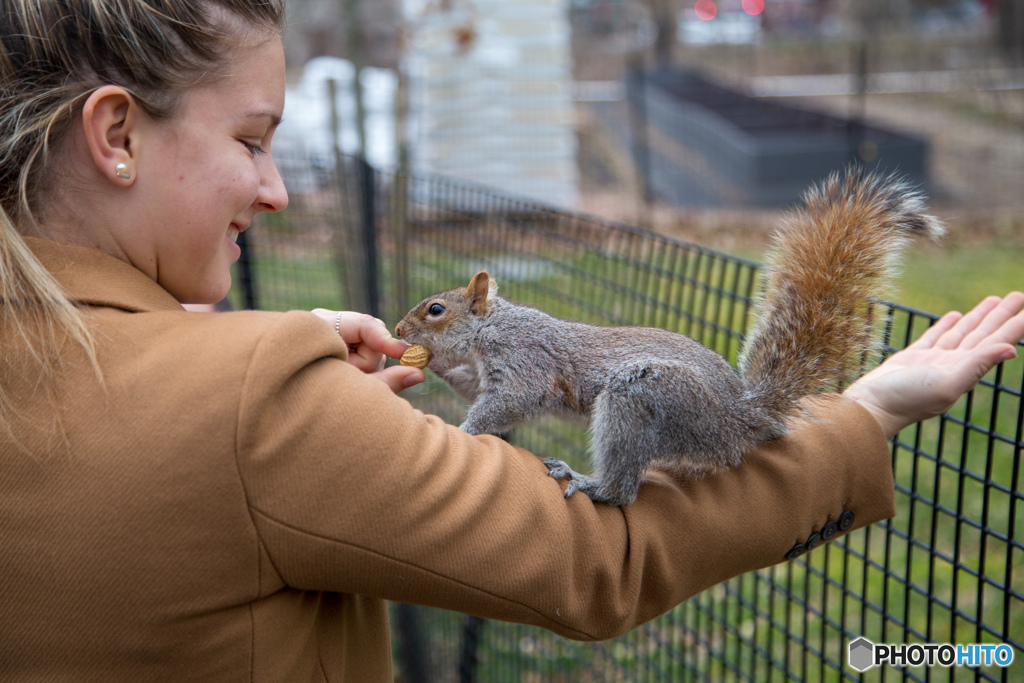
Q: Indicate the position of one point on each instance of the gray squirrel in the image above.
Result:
(654, 396)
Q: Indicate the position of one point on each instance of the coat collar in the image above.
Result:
(93, 278)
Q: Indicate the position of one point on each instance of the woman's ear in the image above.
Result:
(107, 120)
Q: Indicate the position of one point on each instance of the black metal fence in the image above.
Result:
(949, 568)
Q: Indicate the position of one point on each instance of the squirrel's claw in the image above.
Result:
(558, 469)
(577, 482)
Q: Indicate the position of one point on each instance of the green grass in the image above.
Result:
(958, 277)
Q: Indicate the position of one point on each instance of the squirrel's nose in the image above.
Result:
(399, 330)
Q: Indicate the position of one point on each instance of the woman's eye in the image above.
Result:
(254, 150)
(435, 309)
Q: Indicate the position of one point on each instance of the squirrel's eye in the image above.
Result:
(435, 309)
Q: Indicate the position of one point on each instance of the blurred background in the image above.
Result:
(699, 119)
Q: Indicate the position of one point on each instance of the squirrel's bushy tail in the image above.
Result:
(829, 259)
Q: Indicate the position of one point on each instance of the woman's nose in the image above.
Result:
(272, 196)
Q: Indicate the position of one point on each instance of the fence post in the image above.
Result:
(414, 668)
(368, 195)
(636, 101)
(346, 239)
(398, 224)
(245, 272)
(471, 631)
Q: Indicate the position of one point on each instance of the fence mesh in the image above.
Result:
(949, 568)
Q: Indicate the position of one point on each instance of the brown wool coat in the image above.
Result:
(236, 503)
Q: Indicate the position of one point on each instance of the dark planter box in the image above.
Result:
(747, 151)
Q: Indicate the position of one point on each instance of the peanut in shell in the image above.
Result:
(416, 356)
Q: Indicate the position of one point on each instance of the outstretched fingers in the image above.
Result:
(955, 336)
(949, 359)
(985, 337)
(994, 320)
(933, 334)
(1003, 325)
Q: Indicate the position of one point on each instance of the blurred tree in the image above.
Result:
(871, 17)
(663, 12)
(321, 27)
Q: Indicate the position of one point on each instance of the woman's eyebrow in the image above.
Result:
(275, 119)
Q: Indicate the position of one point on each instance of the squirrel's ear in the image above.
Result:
(480, 288)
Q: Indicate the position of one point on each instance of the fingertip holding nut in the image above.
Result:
(416, 356)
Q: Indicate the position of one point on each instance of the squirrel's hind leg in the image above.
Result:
(622, 425)
(662, 410)
(622, 442)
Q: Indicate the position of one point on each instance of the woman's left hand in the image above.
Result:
(926, 378)
(369, 346)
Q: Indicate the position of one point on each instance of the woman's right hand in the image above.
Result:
(370, 343)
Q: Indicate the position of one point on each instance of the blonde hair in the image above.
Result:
(53, 53)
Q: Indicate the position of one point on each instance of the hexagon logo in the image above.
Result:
(861, 654)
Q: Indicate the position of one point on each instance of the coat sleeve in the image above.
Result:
(353, 490)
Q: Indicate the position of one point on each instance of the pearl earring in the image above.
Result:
(122, 171)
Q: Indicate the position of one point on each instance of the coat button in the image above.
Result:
(795, 552)
(845, 520)
(813, 541)
(829, 531)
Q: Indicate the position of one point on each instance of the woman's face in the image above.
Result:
(208, 173)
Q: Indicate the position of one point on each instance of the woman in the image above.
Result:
(234, 497)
